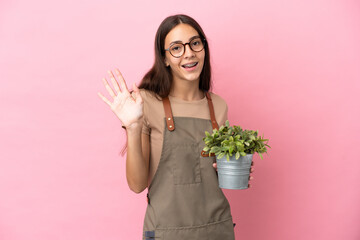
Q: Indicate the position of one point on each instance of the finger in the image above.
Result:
(137, 94)
(114, 82)
(215, 165)
(121, 80)
(104, 99)
(252, 163)
(251, 177)
(251, 170)
(108, 88)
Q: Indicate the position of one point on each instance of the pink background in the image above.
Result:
(289, 69)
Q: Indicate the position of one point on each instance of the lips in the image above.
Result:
(189, 65)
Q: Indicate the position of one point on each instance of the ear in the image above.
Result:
(166, 62)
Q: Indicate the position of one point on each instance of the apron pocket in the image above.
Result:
(186, 167)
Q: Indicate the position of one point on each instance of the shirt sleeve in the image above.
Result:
(145, 128)
(224, 117)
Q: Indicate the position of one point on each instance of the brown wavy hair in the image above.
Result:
(159, 78)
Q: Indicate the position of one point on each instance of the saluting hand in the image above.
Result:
(128, 108)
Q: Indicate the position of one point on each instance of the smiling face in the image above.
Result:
(182, 68)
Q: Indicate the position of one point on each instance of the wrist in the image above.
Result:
(133, 127)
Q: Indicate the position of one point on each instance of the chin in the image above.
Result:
(191, 78)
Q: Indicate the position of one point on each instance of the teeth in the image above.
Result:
(190, 65)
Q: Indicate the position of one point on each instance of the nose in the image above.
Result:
(187, 51)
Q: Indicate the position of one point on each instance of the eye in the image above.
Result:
(196, 43)
(176, 48)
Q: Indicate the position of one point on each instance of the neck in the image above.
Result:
(186, 90)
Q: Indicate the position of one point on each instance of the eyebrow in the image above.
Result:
(190, 39)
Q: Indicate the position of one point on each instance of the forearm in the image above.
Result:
(137, 168)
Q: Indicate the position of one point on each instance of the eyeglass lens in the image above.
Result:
(178, 49)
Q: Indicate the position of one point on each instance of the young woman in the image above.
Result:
(165, 120)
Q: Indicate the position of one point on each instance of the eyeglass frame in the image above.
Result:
(184, 45)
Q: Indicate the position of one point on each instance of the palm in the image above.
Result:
(126, 106)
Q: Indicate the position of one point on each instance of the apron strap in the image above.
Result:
(212, 113)
(213, 121)
(168, 114)
(170, 120)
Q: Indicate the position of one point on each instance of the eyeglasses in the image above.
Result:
(178, 49)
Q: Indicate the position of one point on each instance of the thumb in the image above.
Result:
(137, 93)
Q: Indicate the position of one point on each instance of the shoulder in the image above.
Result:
(153, 112)
(220, 108)
(153, 106)
(218, 100)
(152, 102)
(149, 96)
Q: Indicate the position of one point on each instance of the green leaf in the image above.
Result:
(231, 149)
(225, 148)
(226, 142)
(239, 144)
(221, 155)
(227, 124)
(215, 149)
(217, 152)
(229, 140)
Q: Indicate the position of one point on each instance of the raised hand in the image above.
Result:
(128, 108)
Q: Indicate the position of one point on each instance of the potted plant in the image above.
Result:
(234, 149)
